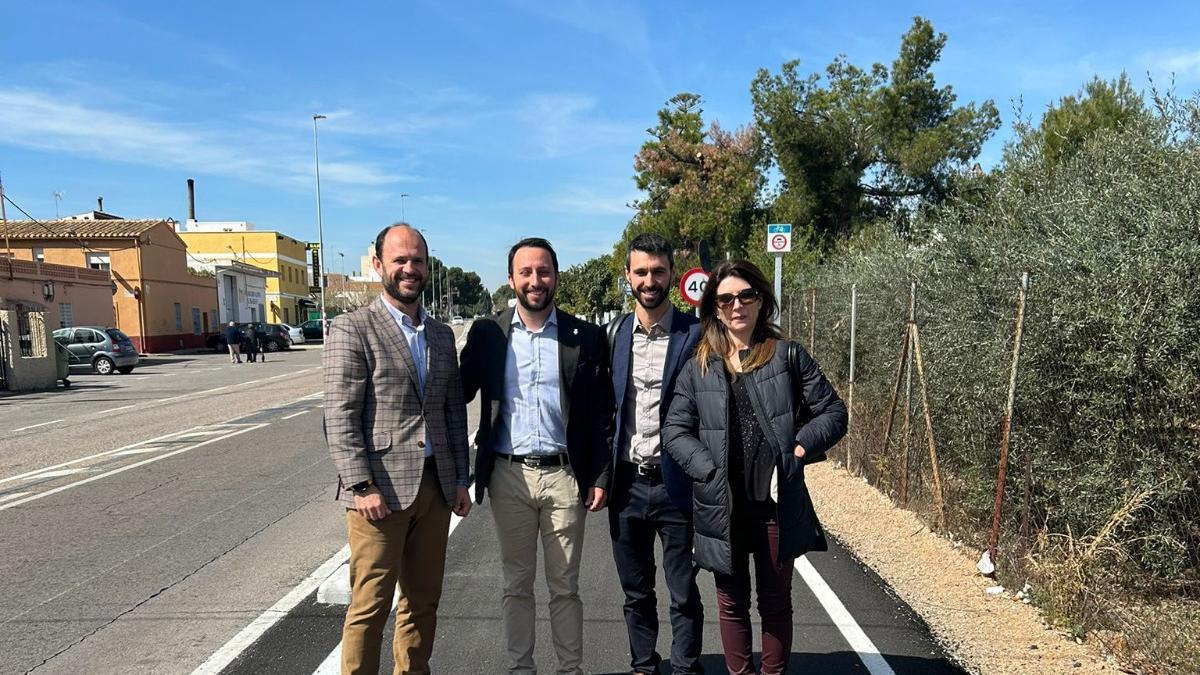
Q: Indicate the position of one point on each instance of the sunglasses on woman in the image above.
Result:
(747, 296)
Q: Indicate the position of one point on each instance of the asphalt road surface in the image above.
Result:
(181, 522)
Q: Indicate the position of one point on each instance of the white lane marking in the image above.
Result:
(139, 451)
(34, 426)
(332, 663)
(295, 414)
(15, 495)
(58, 474)
(123, 469)
(195, 393)
(867, 652)
(251, 633)
(246, 637)
(167, 437)
(124, 407)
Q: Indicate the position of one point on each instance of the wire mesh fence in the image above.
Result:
(1097, 504)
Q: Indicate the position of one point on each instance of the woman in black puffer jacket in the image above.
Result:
(749, 411)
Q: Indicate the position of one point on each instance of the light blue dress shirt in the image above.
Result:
(414, 335)
(530, 418)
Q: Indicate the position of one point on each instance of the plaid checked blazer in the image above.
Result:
(375, 419)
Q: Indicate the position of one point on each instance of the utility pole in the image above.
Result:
(4, 220)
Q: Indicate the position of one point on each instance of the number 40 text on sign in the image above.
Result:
(692, 285)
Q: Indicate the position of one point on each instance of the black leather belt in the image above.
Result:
(534, 461)
(646, 473)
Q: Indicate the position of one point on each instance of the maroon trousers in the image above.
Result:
(756, 537)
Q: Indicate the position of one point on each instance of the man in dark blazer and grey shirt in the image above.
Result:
(396, 424)
(545, 396)
(651, 495)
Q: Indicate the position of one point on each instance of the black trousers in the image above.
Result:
(639, 510)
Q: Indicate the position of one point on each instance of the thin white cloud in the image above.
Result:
(36, 120)
(584, 201)
(620, 23)
(1183, 64)
(564, 124)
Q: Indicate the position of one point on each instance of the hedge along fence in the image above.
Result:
(1101, 506)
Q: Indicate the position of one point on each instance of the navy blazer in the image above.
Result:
(685, 334)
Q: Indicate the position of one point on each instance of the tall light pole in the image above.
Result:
(433, 273)
(342, 266)
(402, 196)
(320, 225)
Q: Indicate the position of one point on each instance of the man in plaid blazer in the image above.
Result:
(396, 424)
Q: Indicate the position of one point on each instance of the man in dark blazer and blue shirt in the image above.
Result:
(651, 495)
(545, 424)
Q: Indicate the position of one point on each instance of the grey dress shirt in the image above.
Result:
(643, 395)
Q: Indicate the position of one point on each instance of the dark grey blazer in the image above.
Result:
(375, 418)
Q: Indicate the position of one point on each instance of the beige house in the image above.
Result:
(159, 303)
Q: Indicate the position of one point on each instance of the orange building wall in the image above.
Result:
(154, 268)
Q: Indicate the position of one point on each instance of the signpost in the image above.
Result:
(779, 241)
(692, 285)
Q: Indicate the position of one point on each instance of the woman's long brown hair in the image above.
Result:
(714, 337)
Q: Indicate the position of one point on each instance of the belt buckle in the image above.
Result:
(644, 470)
(533, 461)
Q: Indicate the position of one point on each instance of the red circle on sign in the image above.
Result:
(778, 242)
(691, 285)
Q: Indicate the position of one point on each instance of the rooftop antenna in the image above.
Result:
(58, 195)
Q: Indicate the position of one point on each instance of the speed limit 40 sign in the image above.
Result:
(692, 285)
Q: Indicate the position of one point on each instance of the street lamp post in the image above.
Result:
(342, 266)
(433, 273)
(402, 196)
(320, 225)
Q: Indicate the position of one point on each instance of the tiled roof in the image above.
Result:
(72, 229)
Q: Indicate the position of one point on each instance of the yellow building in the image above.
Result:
(213, 243)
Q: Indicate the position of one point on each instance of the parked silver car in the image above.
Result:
(295, 333)
(104, 350)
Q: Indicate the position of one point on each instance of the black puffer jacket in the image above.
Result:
(695, 436)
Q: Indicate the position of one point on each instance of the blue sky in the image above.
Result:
(499, 119)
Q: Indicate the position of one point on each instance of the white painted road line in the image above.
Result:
(332, 663)
(58, 474)
(124, 407)
(246, 637)
(34, 426)
(867, 652)
(106, 453)
(15, 495)
(295, 414)
(106, 474)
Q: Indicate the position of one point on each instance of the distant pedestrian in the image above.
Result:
(233, 340)
(250, 343)
(396, 424)
(260, 343)
(750, 410)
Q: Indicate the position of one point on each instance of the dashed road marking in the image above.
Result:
(106, 474)
(34, 426)
(296, 414)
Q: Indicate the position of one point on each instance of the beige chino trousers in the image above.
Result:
(529, 504)
(408, 549)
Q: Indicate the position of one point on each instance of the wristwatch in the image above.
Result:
(360, 488)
